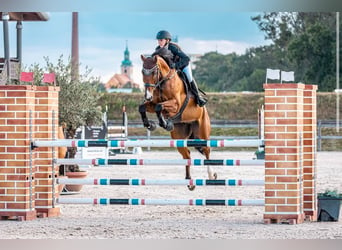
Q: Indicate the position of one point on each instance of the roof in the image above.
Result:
(117, 81)
(27, 16)
(126, 63)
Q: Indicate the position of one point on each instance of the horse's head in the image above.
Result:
(154, 72)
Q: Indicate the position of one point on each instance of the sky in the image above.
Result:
(103, 36)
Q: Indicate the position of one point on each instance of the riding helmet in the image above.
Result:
(163, 34)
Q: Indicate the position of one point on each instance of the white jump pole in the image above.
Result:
(152, 182)
(149, 143)
(135, 201)
(174, 162)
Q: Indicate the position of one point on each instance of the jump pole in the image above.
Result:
(136, 201)
(151, 182)
(149, 143)
(174, 162)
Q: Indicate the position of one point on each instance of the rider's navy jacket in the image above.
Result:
(180, 59)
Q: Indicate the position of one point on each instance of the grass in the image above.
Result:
(221, 106)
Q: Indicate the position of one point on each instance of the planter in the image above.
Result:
(328, 208)
(75, 175)
(61, 186)
(260, 154)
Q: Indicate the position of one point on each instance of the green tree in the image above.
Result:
(78, 99)
(212, 70)
(314, 52)
(232, 72)
(308, 40)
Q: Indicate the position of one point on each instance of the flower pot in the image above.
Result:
(260, 155)
(61, 186)
(75, 175)
(328, 208)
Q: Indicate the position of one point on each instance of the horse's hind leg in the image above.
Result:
(204, 130)
(199, 131)
(182, 131)
(185, 152)
(211, 174)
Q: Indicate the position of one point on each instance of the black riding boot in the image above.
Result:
(201, 101)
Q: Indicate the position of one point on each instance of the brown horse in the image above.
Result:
(168, 97)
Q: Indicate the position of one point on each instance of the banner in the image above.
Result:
(273, 74)
(26, 77)
(287, 76)
(49, 77)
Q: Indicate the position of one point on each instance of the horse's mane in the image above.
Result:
(163, 63)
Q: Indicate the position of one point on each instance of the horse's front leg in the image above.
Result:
(166, 124)
(171, 107)
(150, 125)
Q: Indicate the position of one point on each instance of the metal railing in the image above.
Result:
(326, 124)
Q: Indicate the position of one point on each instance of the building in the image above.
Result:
(126, 64)
(124, 81)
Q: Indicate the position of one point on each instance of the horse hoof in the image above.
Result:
(191, 187)
(152, 126)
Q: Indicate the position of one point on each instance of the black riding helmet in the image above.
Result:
(163, 34)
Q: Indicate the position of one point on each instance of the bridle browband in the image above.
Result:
(147, 72)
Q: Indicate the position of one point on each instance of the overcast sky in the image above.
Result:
(103, 36)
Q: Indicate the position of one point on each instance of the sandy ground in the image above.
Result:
(178, 222)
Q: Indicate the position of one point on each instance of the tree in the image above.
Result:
(78, 99)
(308, 40)
(212, 70)
(232, 72)
(314, 53)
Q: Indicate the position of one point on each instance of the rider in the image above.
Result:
(179, 61)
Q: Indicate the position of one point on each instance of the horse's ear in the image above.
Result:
(143, 57)
(155, 58)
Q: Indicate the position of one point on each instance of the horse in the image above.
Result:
(169, 98)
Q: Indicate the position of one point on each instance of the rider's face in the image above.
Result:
(162, 42)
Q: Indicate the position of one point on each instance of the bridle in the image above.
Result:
(158, 83)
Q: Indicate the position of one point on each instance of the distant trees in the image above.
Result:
(301, 42)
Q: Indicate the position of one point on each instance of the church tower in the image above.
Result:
(126, 64)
